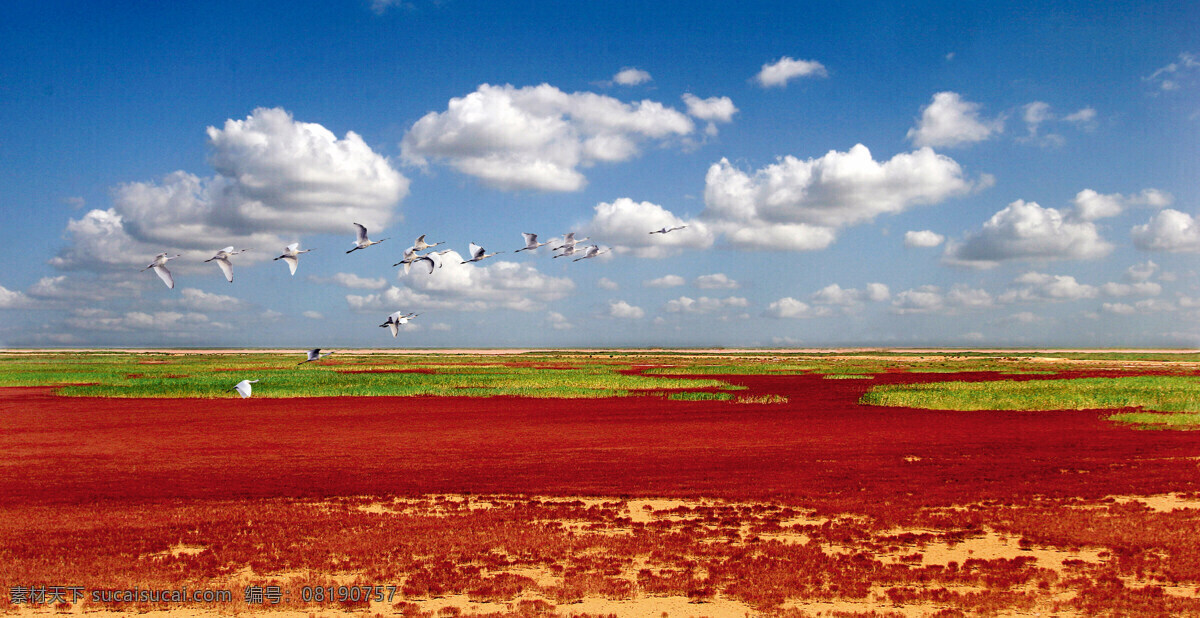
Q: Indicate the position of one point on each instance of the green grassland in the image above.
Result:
(213, 375)
(1171, 401)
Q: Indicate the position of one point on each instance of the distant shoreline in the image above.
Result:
(515, 351)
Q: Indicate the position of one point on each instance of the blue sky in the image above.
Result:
(965, 174)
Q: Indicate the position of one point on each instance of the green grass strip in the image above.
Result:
(1178, 396)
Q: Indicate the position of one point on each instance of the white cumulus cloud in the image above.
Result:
(780, 72)
(704, 304)
(834, 294)
(630, 76)
(951, 121)
(558, 321)
(665, 281)
(931, 299)
(792, 309)
(1042, 287)
(1169, 230)
(1091, 205)
(623, 310)
(923, 238)
(798, 204)
(1026, 231)
(1085, 118)
(1141, 271)
(199, 300)
(14, 299)
(716, 281)
(469, 287)
(626, 225)
(716, 109)
(537, 137)
(274, 175)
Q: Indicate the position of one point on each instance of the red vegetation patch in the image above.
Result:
(821, 448)
(204, 493)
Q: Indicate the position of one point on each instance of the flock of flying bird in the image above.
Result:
(412, 255)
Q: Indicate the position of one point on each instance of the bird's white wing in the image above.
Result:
(407, 265)
(165, 275)
(228, 249)
(292, 262)
(530, 240)
(394, 328)
(362, 233)
(226, 268)
(292, 247)
(476, 251)
(420, 240)
(429, 260)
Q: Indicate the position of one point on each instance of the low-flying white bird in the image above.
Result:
(314, 355)
(567, 251)
(667, 230)
(160, 268)
(362, 242)
(591, 252)
(243, 388)
(222, 260)
(410, 254)
(395, 320)
(569, 241)
(531, 242)
(478, 254)
(421, 245)
(411, 257)
(291, 255)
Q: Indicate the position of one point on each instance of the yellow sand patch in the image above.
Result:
(991, 546)
(1163, 503)
(181, 549)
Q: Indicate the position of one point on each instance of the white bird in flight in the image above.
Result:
(396, 319)
(567, 251)
(421, 245)
(478, 254)
(667, 230)
(222, 260)
(411, 257)
(243, 388)
(591, 252)
(569, 241)
(160, 268)
(292, 256)
(314, 355)
(362, 242)
(531, 242)
(410, 254)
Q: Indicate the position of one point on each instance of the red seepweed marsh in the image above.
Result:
(736, 483)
